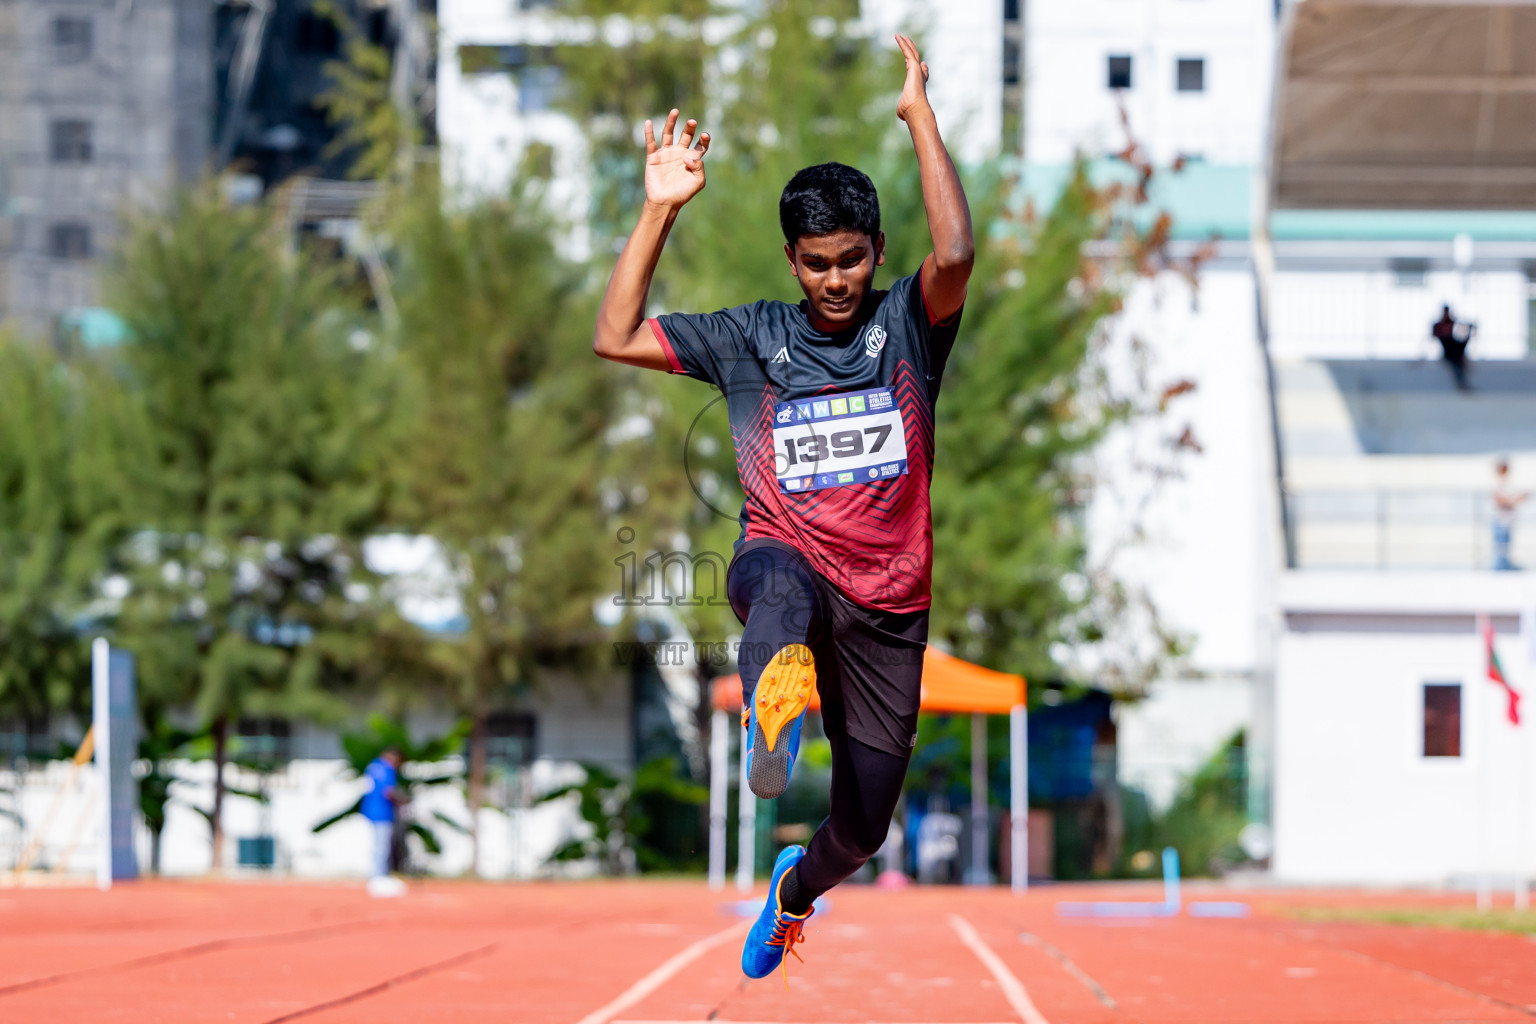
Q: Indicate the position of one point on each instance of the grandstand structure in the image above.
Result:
(1399, 180)
(1349, 168)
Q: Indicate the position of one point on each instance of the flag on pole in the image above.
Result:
(1496, 672)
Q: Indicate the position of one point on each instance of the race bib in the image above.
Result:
(836, 440)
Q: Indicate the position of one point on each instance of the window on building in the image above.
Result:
(1442, 719)
(538, 87)
(1010, 10)
(69, 241)
(1119, 72)
(70, 142)
(315, 34)
(71, 39)
(1010, 62)
(1409, 273)
(1191, 74)
(509, 737)
(1530, 310)
(264, 740)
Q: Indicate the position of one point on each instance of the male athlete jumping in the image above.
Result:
(831, 407)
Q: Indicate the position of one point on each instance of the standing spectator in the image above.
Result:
(380, 806)
(1505, 501)
(1454, 338)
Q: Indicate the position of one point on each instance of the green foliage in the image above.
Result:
(1204, 820)
(44, 563)
(806, 97)
(629, 819)
(1496, 919)
(247, 478)
(611, 89)
(376, 132)
(243, 463)
(498, 439)
(1008, 488)
(382, 734)
(160, 742)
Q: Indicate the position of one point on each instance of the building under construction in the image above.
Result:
(109, 105)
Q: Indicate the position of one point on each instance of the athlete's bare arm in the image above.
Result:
(674, 174)
(948, 267)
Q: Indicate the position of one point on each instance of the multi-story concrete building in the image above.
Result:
(1399, 182)
(109, 106)
(101, 104)
(1329, 551)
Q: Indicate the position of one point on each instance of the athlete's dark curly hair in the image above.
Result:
(826, 198)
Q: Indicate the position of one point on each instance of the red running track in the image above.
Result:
(613, 952)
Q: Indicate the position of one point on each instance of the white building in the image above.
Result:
(496, 84)
(1329, 549)
(1399, 181)
(1182, 80)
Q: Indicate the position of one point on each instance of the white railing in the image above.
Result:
(1385, 528)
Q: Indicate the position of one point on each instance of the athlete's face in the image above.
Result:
(836, 271)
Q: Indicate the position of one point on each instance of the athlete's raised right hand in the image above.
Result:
(674, 172)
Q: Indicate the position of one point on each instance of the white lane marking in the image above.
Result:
(660, 976)
(1013, 989)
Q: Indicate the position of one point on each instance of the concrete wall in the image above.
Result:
(146, 90)
(577, 721)
(1069, 106)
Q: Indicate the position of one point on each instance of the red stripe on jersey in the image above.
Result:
(873, 540)
(666, 346)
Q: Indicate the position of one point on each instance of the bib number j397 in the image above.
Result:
(837, 440)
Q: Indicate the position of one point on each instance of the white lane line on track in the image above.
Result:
(661, 975)
(1013, 989)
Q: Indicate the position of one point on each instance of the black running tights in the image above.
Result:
(773, 593)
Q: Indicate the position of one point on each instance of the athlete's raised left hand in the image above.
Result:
(914, 94)
(674, 172)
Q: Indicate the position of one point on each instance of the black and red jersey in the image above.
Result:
(833, 432)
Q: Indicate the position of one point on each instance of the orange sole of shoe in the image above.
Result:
(784, 690)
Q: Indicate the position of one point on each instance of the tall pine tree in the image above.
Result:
(499, 442)
(246, 470)
(45, 563)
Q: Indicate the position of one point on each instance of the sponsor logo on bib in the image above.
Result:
(855, 438)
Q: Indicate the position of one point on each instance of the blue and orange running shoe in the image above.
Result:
(779, 701)
(776, 931)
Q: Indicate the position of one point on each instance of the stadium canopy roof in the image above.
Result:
(1405, 105)
(949, 686)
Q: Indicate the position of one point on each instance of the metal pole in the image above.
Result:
(978, 872)
(1018, 796)
(746, 828)
(1522, 864)
(719, 783)
(101, 713)
(1484, 738)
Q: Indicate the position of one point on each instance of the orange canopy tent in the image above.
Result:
(950, 686)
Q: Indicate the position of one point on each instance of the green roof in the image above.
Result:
(1402, 225)
(1204, 200)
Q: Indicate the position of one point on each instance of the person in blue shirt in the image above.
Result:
(380, 806)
